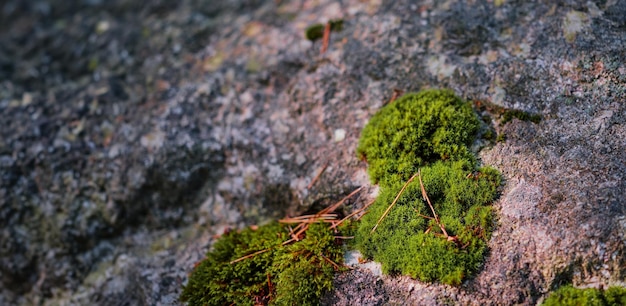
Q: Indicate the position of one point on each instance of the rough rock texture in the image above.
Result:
(133, 132)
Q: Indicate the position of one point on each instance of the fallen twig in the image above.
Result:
(249, 255)
(353, 213)
(344, 237)
(309, 218)
(396, 94)
(317, 176)
(394, 202)
(337, 267)
(303, 224)
(325, 38)
(332, 208)
(269, 285)
(425, 196)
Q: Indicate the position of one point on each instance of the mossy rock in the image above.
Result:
(415, 130)
(570, 296)
(410, 244)
(432, 131)
(297, 273)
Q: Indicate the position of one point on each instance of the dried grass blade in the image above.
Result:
(443, 229)
(336, 205)
(249, 255)
(353, 213)
(394, 201)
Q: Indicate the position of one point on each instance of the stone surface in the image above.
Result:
(133, 132)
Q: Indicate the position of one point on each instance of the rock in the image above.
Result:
(118, 129)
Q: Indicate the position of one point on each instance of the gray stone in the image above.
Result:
(133, 132)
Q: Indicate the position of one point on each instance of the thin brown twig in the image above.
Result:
(443, 229)
(249, 255)
(325, 38)
(303, 224)
(332, 208)
(353, 213)
(424, 216)
(394, 202)
(361, 216)
(311, 220)
(396, 93)
(331, 262)
(298, 230)
(308, 218)
(269, 284)
(317, 176)
(288, 241)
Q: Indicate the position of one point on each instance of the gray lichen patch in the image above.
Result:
(573, 23)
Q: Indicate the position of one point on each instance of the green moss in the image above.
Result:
(431, 131)
(570, 296)
(403, 245)
(316, 31)
(489, 135)
(299, 272)
(501, 138)
(415, 130)
(509, 114)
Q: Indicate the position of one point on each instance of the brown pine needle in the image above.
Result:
(394, 201)
(249, 256)
(332, 208)
(361, 216)
(443, 229)
(325, 38)
(308, 218)
(353, 214)
(269, 285)
(331, 262)
(303, 222)
(288, 241)
(424, 216)
(317, 176)
(396, 94)
(344, 237)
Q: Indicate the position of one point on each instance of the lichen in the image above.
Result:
(570, 296)
(297, 273)
(431, 131)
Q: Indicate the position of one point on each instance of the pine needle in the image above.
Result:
(394, 201)
(425, 196)
(353, 213)
(249, 255)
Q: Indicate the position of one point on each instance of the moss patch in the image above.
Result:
(316, 31)
(509, 114)
(431, 130)
(506, 114)
(570, 296)
(294, 274)
(414, 131)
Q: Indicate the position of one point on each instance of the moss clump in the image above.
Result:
(570, 296)
(509, 114)
(296, 273)
(431, 130)
(416, 130)
(408, 243)
(316, 31)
